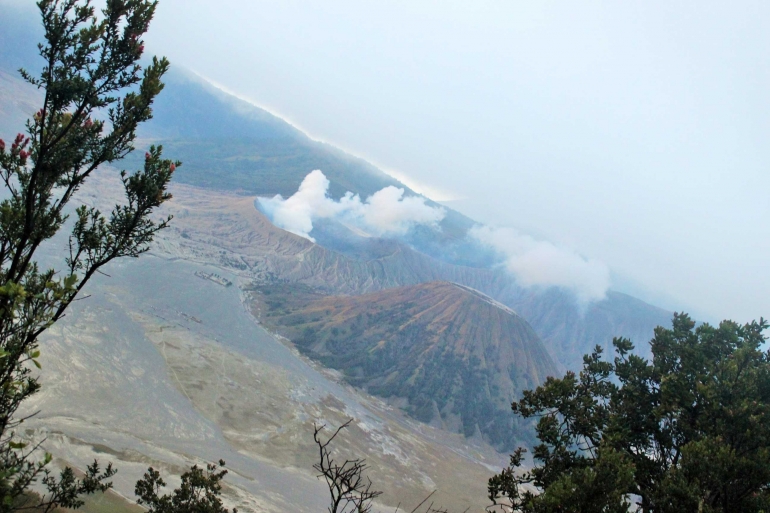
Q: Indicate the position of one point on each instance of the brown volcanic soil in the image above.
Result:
(448, 354)
(225, 229)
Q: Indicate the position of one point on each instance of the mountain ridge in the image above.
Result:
(220, 386)
(446, 353)
(227, 228)
(568, 329)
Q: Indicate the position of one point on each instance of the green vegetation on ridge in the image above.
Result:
(454, 356)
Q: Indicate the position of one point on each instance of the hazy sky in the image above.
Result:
(636, 132)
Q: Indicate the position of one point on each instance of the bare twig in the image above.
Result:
(423, 501)
(349, 490)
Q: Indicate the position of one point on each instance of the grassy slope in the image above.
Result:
(456, 358)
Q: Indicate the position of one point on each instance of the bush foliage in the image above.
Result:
(688, 430)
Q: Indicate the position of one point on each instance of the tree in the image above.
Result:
(198, 493)
(349, 490)
(687, 431)
(96, 94)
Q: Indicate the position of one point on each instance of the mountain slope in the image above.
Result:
(455, 357)
(570, 331)
(179, 373)
(226, 228)
(228, 144)
(225, 143)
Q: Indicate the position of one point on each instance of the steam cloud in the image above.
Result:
(534, 263)
(386, 212)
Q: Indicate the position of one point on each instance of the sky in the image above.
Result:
(635, 133)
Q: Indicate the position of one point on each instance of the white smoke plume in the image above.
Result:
(540, 263)
(386, 212)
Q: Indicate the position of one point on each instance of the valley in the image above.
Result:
(181, 373)
(233, 337)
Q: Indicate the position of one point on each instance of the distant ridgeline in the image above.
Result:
(228, 144)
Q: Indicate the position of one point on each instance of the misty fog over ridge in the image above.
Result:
(235, 152)
(182, 116)
(388, 213)
(533, 261)
(385, 212)
(632, 133)
(661, 256)
(590, 287)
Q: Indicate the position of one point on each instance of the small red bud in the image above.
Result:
(147, 155)
(141, 48)
(172, 167)
(2, 145)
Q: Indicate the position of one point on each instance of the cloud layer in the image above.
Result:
(385, 213)
(540, 263)
(388, 213)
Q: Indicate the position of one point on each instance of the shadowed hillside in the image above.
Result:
(226, 228)
(228, 144)
(570, 331)
(449, 355)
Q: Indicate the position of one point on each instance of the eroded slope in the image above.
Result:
(450, 355)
